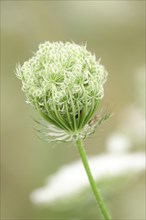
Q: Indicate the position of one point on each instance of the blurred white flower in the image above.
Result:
(71, 179)
(118, 143)
(131, 128)
(133, 124)
(132, 121)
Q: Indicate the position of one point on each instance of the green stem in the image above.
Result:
(96, 192)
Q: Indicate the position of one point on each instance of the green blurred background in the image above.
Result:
(114, 31)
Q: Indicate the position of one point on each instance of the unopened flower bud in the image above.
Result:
(64, 82)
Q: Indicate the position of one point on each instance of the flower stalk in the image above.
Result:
(103, 209)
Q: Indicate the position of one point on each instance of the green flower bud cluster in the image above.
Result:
(64, 82)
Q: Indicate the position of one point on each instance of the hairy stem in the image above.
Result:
(96, 192)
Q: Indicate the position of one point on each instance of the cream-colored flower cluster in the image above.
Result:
(64, 82)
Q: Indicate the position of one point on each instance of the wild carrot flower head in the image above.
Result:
(64, 82)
